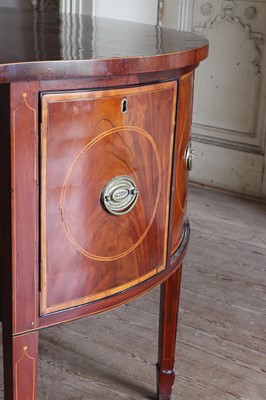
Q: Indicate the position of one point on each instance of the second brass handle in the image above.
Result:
(189, 156)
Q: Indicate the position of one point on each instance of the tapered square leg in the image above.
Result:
(170, 291)
(20, 366)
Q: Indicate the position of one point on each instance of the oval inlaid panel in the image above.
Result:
(92, 230)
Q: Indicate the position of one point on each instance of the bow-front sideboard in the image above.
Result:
(94, 158)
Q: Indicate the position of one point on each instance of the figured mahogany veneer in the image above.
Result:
(86, 252)
(78, 109)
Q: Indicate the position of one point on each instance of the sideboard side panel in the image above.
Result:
(24, 148)
(184, 121)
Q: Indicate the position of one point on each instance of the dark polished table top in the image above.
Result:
(35, 45)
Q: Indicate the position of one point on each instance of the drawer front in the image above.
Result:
(106, 163)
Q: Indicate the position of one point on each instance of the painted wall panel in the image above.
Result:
(132, 10)
(229, 120)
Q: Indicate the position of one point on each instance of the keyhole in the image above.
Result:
(124, 106)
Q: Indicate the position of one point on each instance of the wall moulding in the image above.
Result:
(229, 8)
(229, 146)
(219, 142)
(234, 75)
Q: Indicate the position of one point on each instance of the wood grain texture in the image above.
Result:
(21, 365)
(25, 364)
(220, 350)
(53, 45)
(88, 253)
(180, 172)
(24, 203)
(104, 54)
(169, 305)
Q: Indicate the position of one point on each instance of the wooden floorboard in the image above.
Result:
(221, 343)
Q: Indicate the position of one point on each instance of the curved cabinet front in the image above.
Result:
(102, 149)
(184, 121)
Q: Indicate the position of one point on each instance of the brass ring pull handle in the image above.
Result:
(189, 156)
(119, 195)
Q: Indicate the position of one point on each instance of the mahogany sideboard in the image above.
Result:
(94, 158)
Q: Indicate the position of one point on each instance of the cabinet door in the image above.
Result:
(106, 162)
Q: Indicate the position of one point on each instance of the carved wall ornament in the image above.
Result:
(229, 6)
(206, 9)
(250, 12)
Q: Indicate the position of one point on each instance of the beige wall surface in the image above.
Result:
(229, 121)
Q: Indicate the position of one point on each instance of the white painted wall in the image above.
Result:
(229, 120)
(132, 10)
(129, 10)
(77, 6)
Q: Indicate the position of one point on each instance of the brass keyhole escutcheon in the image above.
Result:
(124, 106)
(119, 195)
